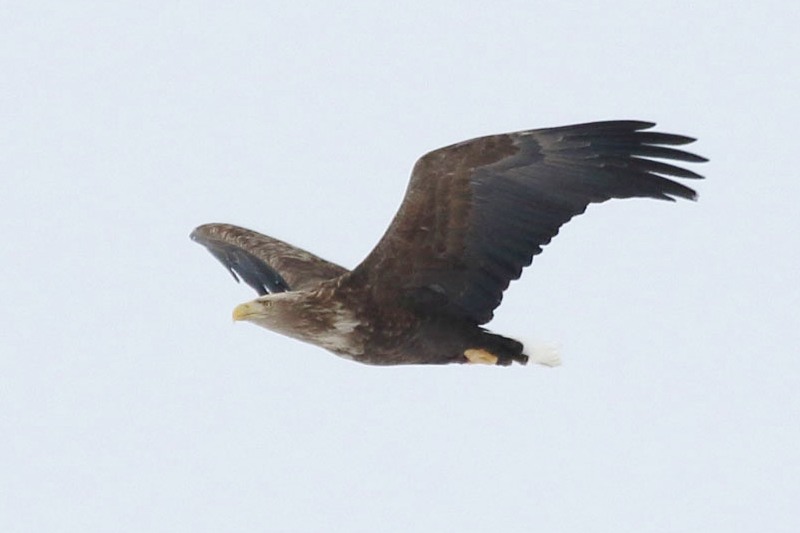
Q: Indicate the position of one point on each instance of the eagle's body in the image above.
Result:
(473, 217)
(345, 320)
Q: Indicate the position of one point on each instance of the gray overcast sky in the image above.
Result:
(128, 401)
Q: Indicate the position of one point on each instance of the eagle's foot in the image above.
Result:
(479, 356)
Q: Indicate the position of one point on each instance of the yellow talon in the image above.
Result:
(480, 356)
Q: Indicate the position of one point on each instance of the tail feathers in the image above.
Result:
(543, 354)
(507, 350)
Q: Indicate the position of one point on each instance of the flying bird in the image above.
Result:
(474, 215)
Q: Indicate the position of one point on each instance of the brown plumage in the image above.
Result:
(474, 215)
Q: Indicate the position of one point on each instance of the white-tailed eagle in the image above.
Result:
(474, 215)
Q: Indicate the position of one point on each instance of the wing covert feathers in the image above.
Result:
(266, 264)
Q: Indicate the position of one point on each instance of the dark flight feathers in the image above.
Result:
(474, 215)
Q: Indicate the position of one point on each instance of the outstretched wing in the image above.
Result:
(475, 213)
(266, 264)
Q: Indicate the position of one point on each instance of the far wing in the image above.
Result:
(475, 213)
(266, 264)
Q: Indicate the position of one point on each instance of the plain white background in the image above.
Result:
(128, 401)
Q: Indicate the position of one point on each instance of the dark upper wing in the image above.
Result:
(475, 213)
(266, 264)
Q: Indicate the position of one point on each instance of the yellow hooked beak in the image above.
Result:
(246, 311)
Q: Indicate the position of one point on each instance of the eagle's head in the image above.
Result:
(306, 316)
(278, 312)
